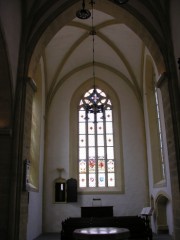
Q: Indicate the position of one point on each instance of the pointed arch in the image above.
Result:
(118, 150)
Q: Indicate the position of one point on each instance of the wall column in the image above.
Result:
(30, 91)
(173, 161)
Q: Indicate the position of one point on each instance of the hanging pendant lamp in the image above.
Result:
(83, 13)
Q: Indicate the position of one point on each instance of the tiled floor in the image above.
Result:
(56, 236)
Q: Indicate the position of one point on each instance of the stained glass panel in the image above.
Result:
(109, 102)
(109, 128)
(110, 165)
(82, 116)
(101, 152)
(109, 140)
(82, 128)
(91, 117)
(100, 140)
(92, 165)
(82, 153)
(111, 180)
(82, 180)
(91, 128)
(99, 117)
(100, 128)
(80, 104)
(101, 180)
(101, 165)
(92, 180)
(110, 153)
(91, 139)
(82, 166)
(92, 152)
(87, 93)
(102, 93)
(82, 140)
(109, 115)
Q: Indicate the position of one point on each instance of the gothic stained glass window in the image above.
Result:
(96, 142)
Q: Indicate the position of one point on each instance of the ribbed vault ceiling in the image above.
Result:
(119, 51)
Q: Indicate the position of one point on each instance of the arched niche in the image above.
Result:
(161, 213)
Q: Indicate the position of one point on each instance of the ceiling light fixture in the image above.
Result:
(83, 13)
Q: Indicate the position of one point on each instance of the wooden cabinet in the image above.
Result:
(65, 191)
(71, 190)
(103, 211)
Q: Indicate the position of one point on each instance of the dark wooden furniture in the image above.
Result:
(98, 233)
(65, 190)
(60, 193)
(71, 190)
(135, 224)
(102, 211)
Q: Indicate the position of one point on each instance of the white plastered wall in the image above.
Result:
(135, 196)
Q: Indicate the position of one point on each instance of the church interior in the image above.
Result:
(89, 113)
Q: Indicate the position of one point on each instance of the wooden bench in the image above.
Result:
(136, 225)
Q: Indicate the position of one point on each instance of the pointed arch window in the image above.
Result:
(160, 132)
(96, 158)
(155, 120)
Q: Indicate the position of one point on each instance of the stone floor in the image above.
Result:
(49, 236)
(56, 236)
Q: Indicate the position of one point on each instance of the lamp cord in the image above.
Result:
(93, 33)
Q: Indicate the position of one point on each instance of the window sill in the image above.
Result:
(160, 184)
(91, 191)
